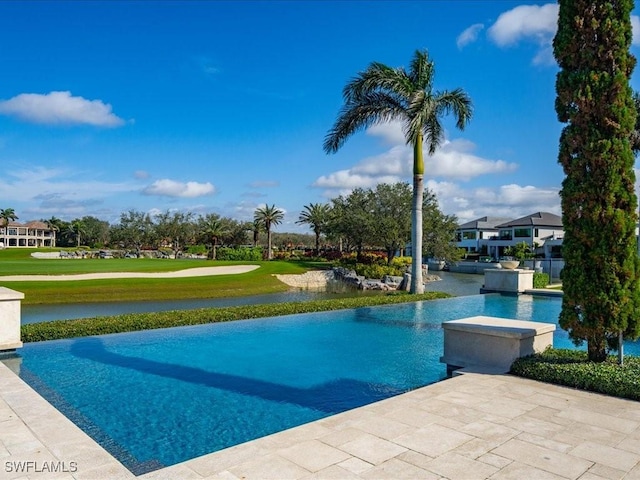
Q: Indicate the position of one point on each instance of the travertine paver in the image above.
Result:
(473, 426)
(453, 465)
(372, 449)
(543, 458)
(313, 455)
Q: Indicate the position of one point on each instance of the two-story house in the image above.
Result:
(474, 234)
(32, 234)
(536, 230)
(492, 237)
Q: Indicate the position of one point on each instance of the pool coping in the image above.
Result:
(476, 425)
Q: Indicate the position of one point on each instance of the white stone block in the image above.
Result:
(491, 342)
(512, 281)
(10, 319)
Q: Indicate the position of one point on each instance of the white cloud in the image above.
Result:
(453, 160)
(529, 23)
(469, 203)
(171, 188)
(59, 191)
(510, 201)
(469, 35)
(348, 180)
(397, 161)
(390, 132)
(141, 174)
(525, 22)
(60, 108)
(539, 24)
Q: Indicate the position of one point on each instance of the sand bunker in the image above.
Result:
(189, 272)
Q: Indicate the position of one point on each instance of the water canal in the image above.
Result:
(457, 284)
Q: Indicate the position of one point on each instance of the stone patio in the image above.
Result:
(474, 426)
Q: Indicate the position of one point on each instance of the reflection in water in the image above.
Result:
(524, 306)
(457, 284)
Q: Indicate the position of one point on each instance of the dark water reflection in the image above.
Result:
(458, 284)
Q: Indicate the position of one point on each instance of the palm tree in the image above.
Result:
(7, 215)
(268, 216)
(316, 215)
(54, 225)
(381, 94)
(212, 228)
(256, 229)
(76, 229)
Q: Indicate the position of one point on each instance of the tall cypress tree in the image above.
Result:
(599, 206)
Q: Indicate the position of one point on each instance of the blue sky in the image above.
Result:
(223, 106)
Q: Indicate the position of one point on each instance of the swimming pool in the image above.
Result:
(160, 397)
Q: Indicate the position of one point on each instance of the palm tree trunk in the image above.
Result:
(269, 254)
(417, 285)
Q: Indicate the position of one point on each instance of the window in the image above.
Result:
(468, 235)
(505, 234)
(522, 232)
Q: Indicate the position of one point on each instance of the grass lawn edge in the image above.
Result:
(60, 329)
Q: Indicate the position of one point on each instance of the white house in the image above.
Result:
(28, 235)
(490, 236)
(474, 234)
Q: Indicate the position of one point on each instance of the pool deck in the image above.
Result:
(473, 426)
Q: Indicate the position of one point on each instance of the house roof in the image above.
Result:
(32, 224)
(483, 223)
(538, 219)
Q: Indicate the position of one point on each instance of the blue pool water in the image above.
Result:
(160, 397)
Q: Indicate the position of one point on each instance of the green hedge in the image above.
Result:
(571, 368)
(540, 280)
(36, 332)
(246, 254)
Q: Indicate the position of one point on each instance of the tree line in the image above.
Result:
(375, 218)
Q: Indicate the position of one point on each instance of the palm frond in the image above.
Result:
(378, 78)
(433, 133)
(361, 113)
(456, 102)
(381, 93)
(422, 71)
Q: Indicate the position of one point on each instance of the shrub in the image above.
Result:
(540, 280)
(249, 254)
(196, 250)
(372, 258)
(331, 255)
(36, 332)
(377, 271)
(348, 260)
(573, 369)
(401, 262)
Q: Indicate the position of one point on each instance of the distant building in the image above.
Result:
(474, 234)
(492, 236)
(28, 235)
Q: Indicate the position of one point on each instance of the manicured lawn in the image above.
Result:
(19, 262)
